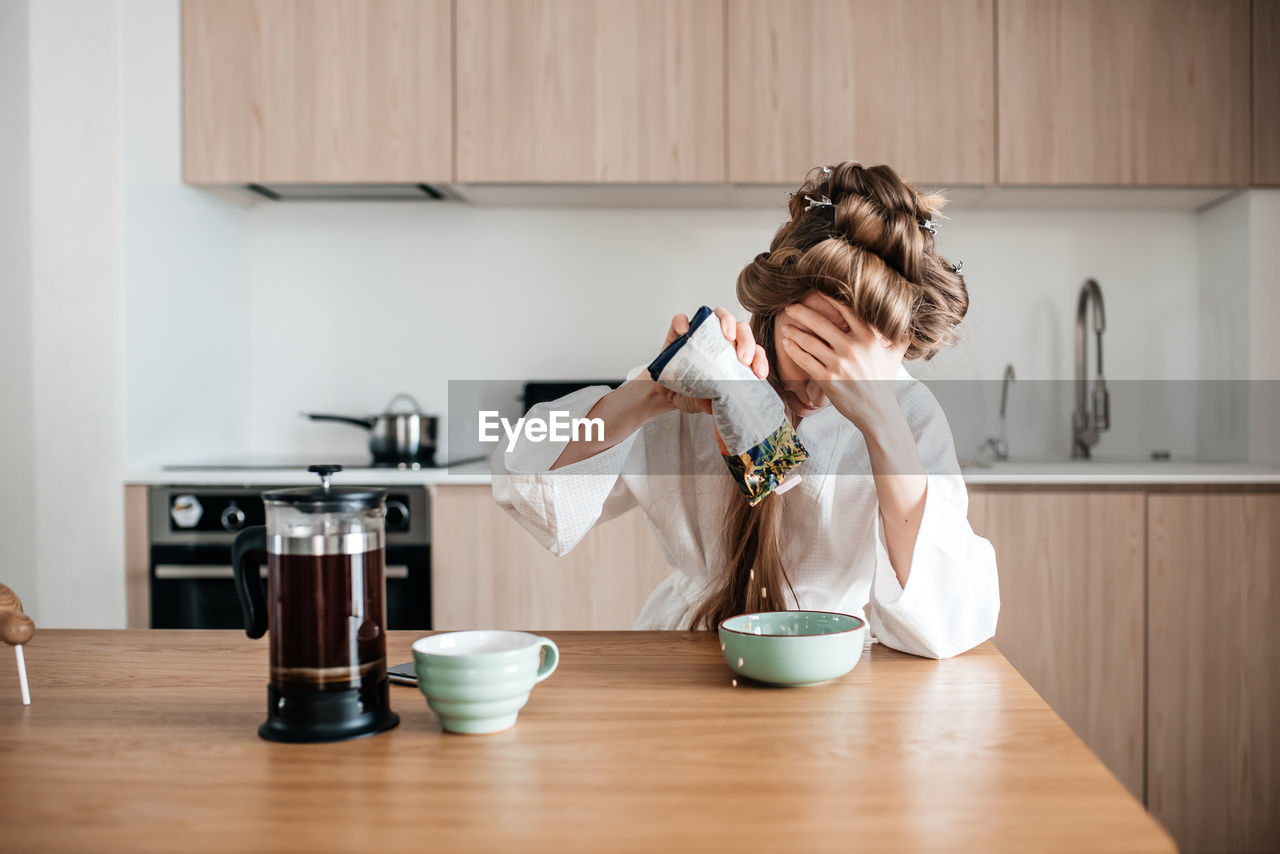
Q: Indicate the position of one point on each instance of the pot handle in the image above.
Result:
(246, 553)
(366, 423)
(417, 410)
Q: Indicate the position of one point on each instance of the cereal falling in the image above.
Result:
(734, 683)
(764, 592)
(751, 576)
(739, 662)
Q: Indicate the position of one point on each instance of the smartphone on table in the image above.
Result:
(403, 674)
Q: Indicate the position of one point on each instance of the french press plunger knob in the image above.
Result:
(324, 472)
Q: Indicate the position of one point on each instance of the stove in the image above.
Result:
(191, 530)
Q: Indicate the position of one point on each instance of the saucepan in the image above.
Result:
(395, 437)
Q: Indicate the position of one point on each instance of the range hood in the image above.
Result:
(351, 192)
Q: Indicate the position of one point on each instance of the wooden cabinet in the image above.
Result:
(488, 572)
(1213, 772)
(1146, 619)
(1124, 91)
(976, 92)
(317, 91)
(815, 82)
(137, 557)
(1072, 573)
(1266, 92)
(590, 90)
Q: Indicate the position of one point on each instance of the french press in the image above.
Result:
(325, 606)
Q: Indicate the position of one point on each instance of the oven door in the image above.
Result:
(192, 587)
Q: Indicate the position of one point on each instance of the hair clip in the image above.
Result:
(824, 202)
(957, 267)
(929, 225)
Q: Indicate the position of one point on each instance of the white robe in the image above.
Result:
(832, 535)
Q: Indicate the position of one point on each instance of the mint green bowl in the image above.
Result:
(793, 648)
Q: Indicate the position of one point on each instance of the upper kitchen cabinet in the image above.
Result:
(1119, 92)
(815, 82)
(1266, 92)
(590, 91)
(317, 91)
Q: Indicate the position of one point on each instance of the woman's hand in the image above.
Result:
(857, 369)
(855, 366)
(736, 332)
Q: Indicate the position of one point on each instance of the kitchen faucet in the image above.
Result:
(1000, 444)
(1092, 415)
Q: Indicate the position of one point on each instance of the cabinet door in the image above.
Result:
(488, 572)
(1213, 732)
(906, 83)
(137, 558)
(1123, 91)
(590, 90)
(317, 91)
(1072, 566)
(1266, 92)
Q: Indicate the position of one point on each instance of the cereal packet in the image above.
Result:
(756, 438)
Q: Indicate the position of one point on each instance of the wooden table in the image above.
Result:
(146, 740)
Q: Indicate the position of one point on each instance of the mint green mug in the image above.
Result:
(478, 681)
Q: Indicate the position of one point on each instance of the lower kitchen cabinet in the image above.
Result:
(489, 572)
(1213, 647)
(1072, 567)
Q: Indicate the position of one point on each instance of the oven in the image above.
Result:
(193, 527)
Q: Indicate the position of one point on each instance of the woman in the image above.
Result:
(850, 287)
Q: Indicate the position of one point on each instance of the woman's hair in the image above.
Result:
(872, 249)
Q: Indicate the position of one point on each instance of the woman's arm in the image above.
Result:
(952, 602)
(623, 411)
(946, 598)
(626, 409)
(558, 507)
(901, 486)
(857, 369)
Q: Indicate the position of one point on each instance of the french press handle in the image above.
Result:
(246, 555)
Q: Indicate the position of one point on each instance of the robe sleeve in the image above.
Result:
(559, 507)
(951, 600)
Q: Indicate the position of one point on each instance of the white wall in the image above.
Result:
(1239, 296)
(1264, 312)
(76, 318)
(182, 259)
(1224, 275)
(352, 302)
(17, 425)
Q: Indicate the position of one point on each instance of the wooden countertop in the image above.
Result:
(146, 741)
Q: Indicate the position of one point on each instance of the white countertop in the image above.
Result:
(1112, 473)
(471, 473)
(1064, 473)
